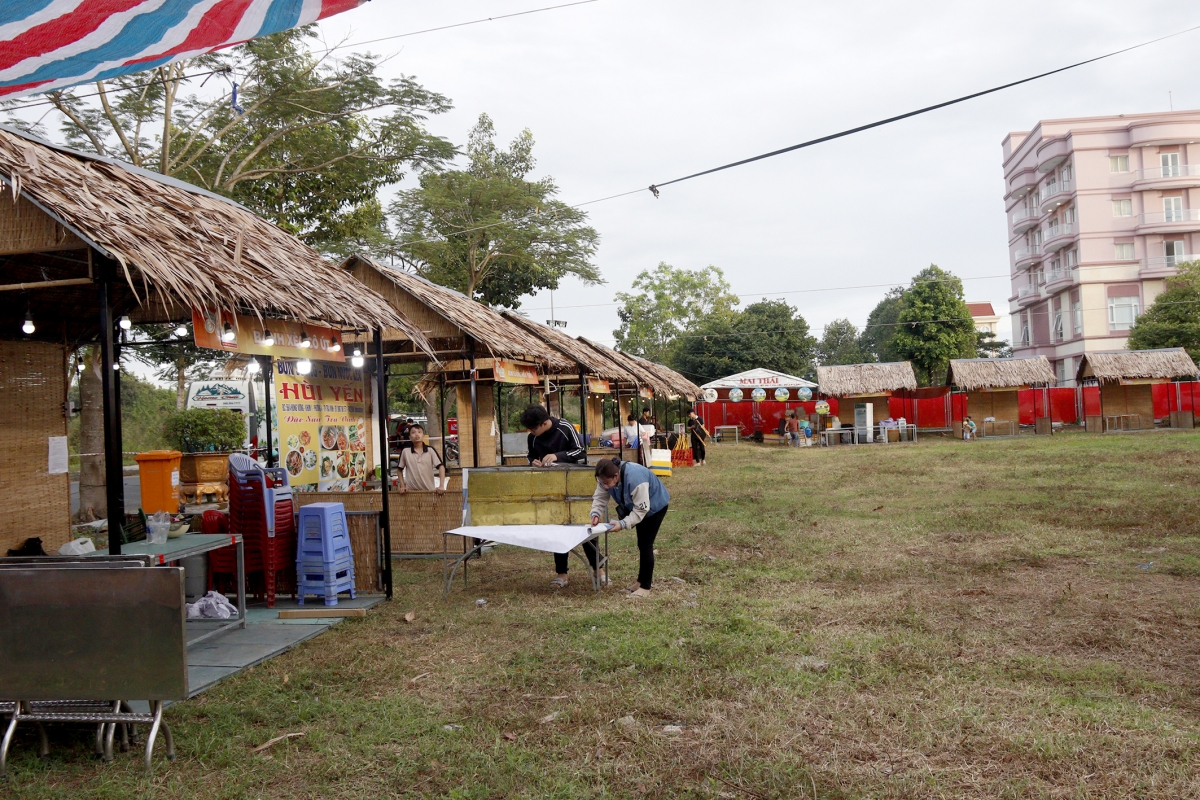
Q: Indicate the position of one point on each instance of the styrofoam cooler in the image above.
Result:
(660, 463)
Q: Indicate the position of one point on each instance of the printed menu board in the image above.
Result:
(320, 422)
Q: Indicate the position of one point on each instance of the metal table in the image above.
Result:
(486, 536)
(194, 544)
(737, 431)
(830, 433)
(994, 425)
(1123, 422)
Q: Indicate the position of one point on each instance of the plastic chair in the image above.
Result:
(324, 555)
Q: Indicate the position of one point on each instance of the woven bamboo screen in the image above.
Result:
(33, 384)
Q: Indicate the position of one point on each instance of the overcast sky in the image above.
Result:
(623, 93)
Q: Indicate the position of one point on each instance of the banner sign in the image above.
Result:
(507, 371)
(597, 386)
(249, 336)
(321, 421)
(646, 393)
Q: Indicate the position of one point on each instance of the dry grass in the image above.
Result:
(1012, 618)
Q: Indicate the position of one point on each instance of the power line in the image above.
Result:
(655, 187)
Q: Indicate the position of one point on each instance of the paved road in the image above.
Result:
(133, 495)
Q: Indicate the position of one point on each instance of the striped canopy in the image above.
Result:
(51, 44)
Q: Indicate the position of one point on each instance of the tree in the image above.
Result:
(841, 344)
(1173, 319)
(489, 232)
(309, 144)
(173, 360)
(988, 346)
(880, 331)
(935, 324)
(768, 334)
(666, 302)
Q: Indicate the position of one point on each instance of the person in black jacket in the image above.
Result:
(555, 441)
(552, 440)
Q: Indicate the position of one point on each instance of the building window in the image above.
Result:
(1170, 164)
(1077, 316)
(1122, 312)
(1063, 368)
(1065, 174)
(1118, 163)
(1173, 251)
(1172, 209)
(1124, 251)
(1057, 332)
(1025, 331)
(1122, 208)
(1070, 258)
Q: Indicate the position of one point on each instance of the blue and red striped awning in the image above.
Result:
(51, 44)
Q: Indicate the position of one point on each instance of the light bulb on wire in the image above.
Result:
(268, 339)
(230, 334)
(335, 345)
(27, 327)
(181, 330)
(252, 366)
(304, 340)
(124, 323)
(304, 366)
(356, 360)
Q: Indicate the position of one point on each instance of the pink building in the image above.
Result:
(1100, 209)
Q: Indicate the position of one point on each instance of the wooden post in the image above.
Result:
(385, 472)
(442, 415)
(583, 411)
(474, 415)
(114, 474)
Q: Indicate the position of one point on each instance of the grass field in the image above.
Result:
(1006, 618)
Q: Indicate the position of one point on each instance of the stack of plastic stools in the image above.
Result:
(260, 509)
(324, 557)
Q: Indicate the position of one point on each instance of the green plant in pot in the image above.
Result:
(206, 437)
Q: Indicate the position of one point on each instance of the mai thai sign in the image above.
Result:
(240, 333)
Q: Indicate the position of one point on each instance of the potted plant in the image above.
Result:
(206, 437)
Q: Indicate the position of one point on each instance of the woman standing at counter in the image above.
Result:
(641, 503)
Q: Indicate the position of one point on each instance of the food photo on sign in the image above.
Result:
(322, 423)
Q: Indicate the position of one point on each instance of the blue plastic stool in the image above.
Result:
(324, 557)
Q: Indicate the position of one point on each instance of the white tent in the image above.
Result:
(755, 378)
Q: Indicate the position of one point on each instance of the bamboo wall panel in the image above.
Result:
(1001, 405)
(1137, 399)
(487, 428)
(879, 404)
(24, 228)
(33, 384)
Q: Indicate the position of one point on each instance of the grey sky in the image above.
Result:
(620, 94)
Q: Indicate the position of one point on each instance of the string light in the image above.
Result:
(27, 327)
(304, 340)
(304, 366)
(124, 323)
(253, 366)
(268, 339)
(230, 334)
(336, 345)
(357, 359)
(181, 330)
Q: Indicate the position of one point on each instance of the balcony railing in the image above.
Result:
(1169, 262)
(1061, 229)
(1026, 291)
(1175, 171)
(1058, 274)
(1025, 218)
(1167, 217)
(1052, 189)
(1023, 253)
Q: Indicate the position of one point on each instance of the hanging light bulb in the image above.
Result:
(335, 345)
(80, 367)
(181, 330)
(268, 339)
(304, 366)
(252, 366)
(230, 334)
(124, 323)
(304, 340)
(27, 327)
(117, 367)
(356, 360)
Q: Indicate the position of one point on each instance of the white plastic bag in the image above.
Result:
(78, 547)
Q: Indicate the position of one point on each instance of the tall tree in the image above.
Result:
(935, 324)
(769, 334)
(666, 302)
(172, 360)
(487, 230)
(988, 346)
(308, 144)
(841, 344)
(881, 327)
(1173, 319)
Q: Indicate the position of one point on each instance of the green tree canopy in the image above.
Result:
(841, 344)
(489, 232)
(315, 140)
(769, 334)
(877, 336)
(1173, 319)
(666, 302)
(935, 324)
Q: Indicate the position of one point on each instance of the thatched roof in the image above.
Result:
(593, 363)
(679, 385)
(177, 246)
(866, 378)
(972, 374)
(633, 371)
(1164, 364)
(427, 302)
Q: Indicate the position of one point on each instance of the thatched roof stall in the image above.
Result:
(991, 386)
(1125, 379)
(69, 217)
(585, 357)
(1167, 364)
(976, 374)
(680, 386)
(637, 373)
(866, 379)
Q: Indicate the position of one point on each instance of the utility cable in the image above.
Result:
(655, 187)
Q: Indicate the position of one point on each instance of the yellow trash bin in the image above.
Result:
(158, 471)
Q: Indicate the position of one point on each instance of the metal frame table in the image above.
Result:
(1120, 422)
(194, 544)
(1007, 423)
(737, 432)
(452, 561)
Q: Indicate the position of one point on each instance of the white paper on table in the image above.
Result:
(57, 463)
(547, 538)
